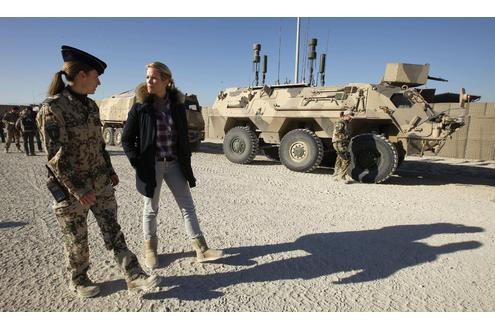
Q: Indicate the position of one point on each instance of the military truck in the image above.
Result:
(294, 123)
(114, 110)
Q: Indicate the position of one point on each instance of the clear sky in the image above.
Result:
(207, 55)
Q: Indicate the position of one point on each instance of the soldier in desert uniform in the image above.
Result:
(13, 135)
(340, 141)
(81, 174)
(26, 124)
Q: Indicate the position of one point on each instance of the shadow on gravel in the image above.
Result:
(12, 224)
(111, 287)
(210, 148)
(410, 178)
(114, 286)
(425, 173)
(167, 259)
(322, 170)
(264, 162)
(366, 255)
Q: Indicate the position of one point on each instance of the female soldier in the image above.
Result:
(81, 174)
(155, 139)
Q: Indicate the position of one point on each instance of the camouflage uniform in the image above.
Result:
(340, 140)
(9, 119)
(71, 130)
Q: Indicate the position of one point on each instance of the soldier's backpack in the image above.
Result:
(28, 124)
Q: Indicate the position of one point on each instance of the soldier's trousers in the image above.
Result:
(28, 138)
(13, 136)
(343, 159)
(38, 139)
(72, 218)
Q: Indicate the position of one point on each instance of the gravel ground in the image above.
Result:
(422, 241)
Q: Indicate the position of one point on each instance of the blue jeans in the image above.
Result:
(177, 183)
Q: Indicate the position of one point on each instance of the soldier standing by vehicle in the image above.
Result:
(340, 141)
(9, 119)
(82, 177)
(26, 124)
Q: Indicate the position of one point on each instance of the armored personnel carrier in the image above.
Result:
(294, 123)
(114, 110)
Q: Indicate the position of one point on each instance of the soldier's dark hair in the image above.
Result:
(70, 70)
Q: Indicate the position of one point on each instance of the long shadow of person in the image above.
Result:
(12, 224)
(368, 255)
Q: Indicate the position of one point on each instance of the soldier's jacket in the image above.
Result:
(71, 130)
(341, 132)
(9, 119)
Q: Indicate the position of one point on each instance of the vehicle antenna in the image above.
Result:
(279, 46)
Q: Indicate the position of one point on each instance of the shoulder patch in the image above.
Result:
(52, 128)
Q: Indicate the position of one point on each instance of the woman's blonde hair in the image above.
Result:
(165, 73)
(70, 70)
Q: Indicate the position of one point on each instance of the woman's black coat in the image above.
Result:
(139, 143)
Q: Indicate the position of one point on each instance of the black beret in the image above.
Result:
(73, 54)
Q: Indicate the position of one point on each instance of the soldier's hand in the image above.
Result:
(88, 198)
(115, 179)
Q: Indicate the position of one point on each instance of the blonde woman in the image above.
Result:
(155, 140)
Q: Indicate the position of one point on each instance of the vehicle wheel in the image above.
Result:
(301, 150)
(240, 145)
(108, 136)
(117, 137)
(272, 153)
(373, 158)
(195, 145)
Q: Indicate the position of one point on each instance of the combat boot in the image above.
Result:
(85, 288)
(143, 282)
(203, 253)
(348, 180)
(150, 253)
